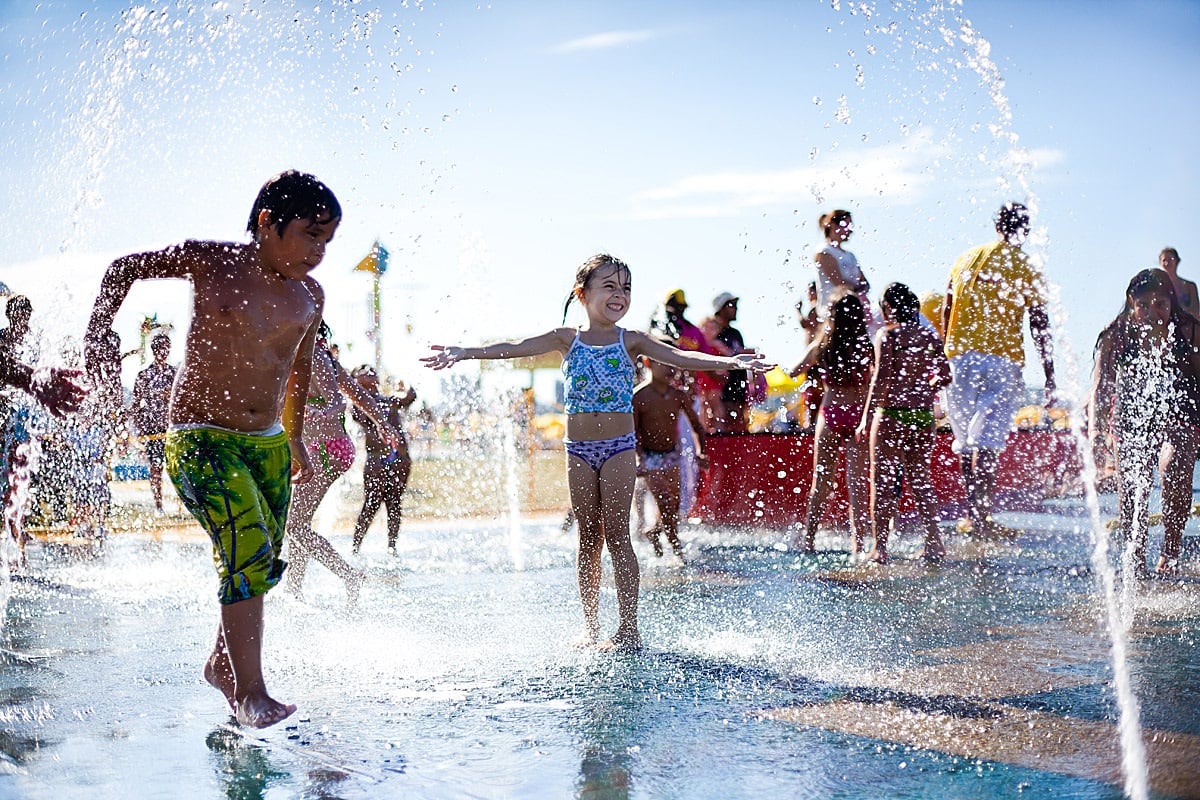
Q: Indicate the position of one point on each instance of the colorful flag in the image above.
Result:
(375, 262)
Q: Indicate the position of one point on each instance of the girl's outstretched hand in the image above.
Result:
(443, 356)
(754, 362)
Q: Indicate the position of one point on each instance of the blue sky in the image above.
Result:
(492, 147)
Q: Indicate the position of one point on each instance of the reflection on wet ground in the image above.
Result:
(764, 672)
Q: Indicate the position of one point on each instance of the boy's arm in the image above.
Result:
(447, 355)
(685, 403)
(170, 262)
(1043, 342)
(297, 395)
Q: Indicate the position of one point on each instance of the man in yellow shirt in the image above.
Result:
(992, 287)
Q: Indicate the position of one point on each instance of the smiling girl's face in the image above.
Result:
(606, 295)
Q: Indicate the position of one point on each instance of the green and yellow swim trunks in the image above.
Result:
(238, 486)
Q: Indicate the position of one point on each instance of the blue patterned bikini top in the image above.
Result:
(599, 378)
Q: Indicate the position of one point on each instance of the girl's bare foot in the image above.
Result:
(878, 556)
(804, 544)
(260, 711)
(622, 641)
(587, 639)
(221, 679)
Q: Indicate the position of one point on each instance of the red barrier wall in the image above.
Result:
(763, 479)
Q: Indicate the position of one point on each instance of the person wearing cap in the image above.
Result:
(992, 287)
(730, 401)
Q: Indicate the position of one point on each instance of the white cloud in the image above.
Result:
(905, 172)
(602, 41)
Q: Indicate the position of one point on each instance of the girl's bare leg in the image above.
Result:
(1135, 473)
(616, 496)
(1179, 461)
(825, 453)
(584, 486)
(858, 490)
(302, 542)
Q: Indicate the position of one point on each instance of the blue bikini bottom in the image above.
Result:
(595, 452)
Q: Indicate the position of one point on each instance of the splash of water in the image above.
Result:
(512, 494)
(948, 43)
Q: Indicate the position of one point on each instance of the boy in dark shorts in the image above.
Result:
(657, 406)
(237, 408)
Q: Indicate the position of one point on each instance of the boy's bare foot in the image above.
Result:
(1168, 566)
(221, 680)
(262, 711)
(622, 642)
(878, 556)
(354, 587)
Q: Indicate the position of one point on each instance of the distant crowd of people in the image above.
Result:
(251, 428)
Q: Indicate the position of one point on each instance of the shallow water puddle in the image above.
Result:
(1014, 736)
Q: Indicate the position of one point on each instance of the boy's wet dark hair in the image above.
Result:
(902, 301)
(1012, 220)
(18, 305)
(160, 340)
(293, 195)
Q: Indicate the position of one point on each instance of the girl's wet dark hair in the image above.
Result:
(847, 356)
(324, 331)
(293, 195)
(902, 301)
(589, 268)
(1147, 281)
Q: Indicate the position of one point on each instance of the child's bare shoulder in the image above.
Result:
(202, 256)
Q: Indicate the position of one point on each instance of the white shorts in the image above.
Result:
(982, 400)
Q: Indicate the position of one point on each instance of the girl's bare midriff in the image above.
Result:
(594, 425)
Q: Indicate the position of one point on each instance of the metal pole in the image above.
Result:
(377, 333)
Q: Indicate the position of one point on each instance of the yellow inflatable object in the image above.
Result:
(779, 382)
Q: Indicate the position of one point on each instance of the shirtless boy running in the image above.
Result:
(657, 406)
(237, 410)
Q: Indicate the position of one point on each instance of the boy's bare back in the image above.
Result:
(912, 367)
(656, 411)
